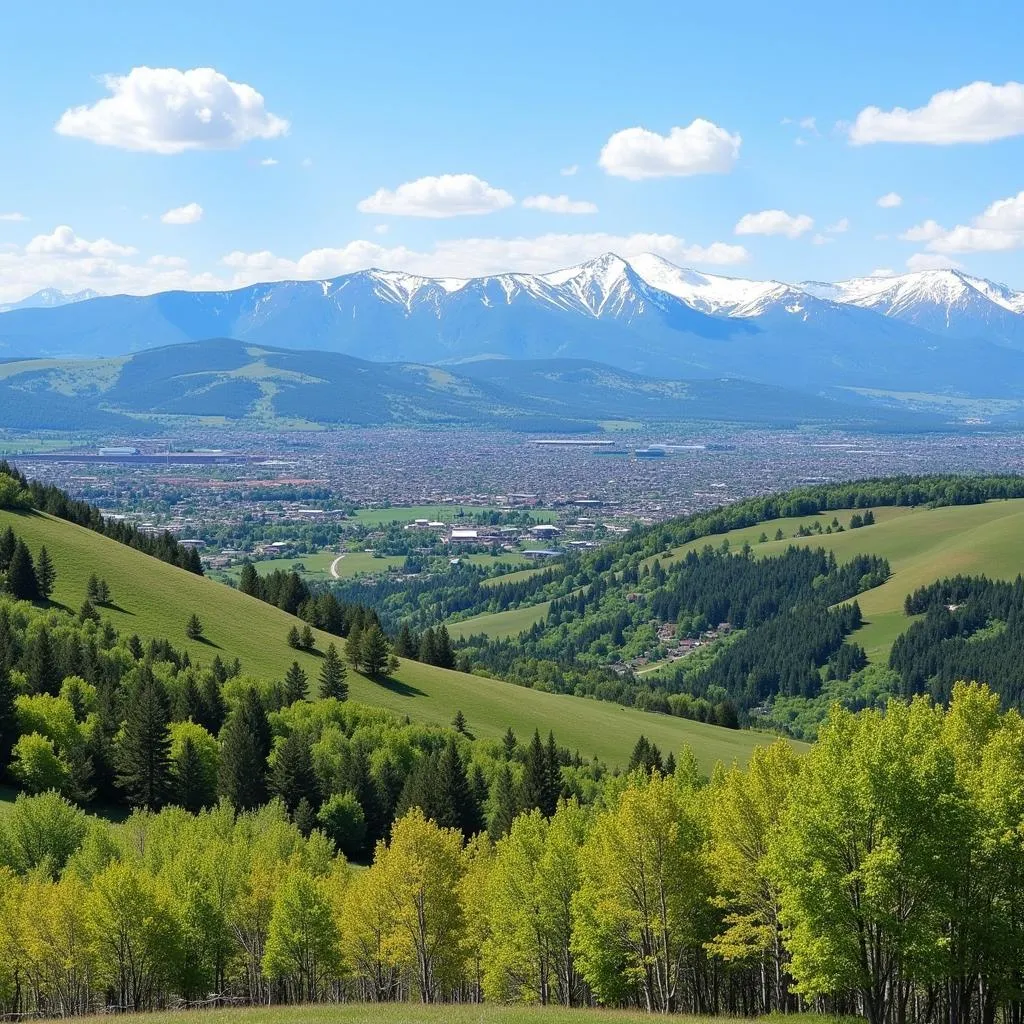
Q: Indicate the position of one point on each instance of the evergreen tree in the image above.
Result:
(295, 684)
(375, 652)
(304, 817)
(144, 751)
(443, 654)
(405, 645)
(294, 640)
(457, 806)
(245, 745)
(88, 613)
(46, 574)
(332, 675)
(103, 592)
(354, 647)
(428, 647)
(307, 641)
(8, 542)
(44, 675)
(459, 722)
(22, 582)
(509, 743)
(213, 711)
(194, 627)
(670, 764)
(361, 783)
(249, 581)
(554, 763)
(135, 646)
(292, 776)
(645, 756)
(92, 588)
(536, 789)
(190, 785)
(192, 702)
(504, 803)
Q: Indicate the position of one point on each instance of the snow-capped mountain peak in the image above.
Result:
(49, 298)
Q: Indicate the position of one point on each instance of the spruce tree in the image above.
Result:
(354, 647)
(332, 675)
(293, 638)
(307, 641)
(554, 765)
(443, 656)
(22, 582)
(292, 776)
(194, 627)
(504, 803)
(304, 817)
(375, 651)
(457, 802)
(46, 574)
(144, 752)
(103, 592)
(459, 722)
(92, 588)
(42, 671)
(363, 786)
(535, 791)
(405, 645)
(245, 745)
(249, 580)
(509, 744)
(428, 647)
(8, 542)
(213, 711)
(191, 790)
(296, 684)
(191, 701)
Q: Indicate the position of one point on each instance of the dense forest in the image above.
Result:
(823, 881)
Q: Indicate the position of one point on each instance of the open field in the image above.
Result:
(921, 544)
(514, 577)
(154, 599)
(501, 624)
(318, 566)
(408, 1013)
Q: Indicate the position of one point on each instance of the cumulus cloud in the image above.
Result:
(188, 214)
(840, 227)
(167, 111)
(64, 242)
(558, 204)
(931, 261)
(568, 172)
(890, 200)
(473, 257)
(15, 217)
(268, 161)
(1000, 227)
(699, 148)
(979, 112)
(445, 195)
(774, 222)
(882, 272)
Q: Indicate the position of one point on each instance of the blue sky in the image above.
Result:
(354, 99)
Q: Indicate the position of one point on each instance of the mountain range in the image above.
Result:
(941, 332)
(232, 380)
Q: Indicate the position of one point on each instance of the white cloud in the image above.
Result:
(798, 141)
(188, 214)
(381, 229)
(931, 261)
(774, 222)
(268, 161)
(164, 110)
(472, 257)
(16, 217)
(882, 272)
(890, 200)
(700, 148)
(175, 262)
(820, 239)
(979, 112)
(445, 195)
(998, 229)
(568, 172)
(840, 227)
(923, 232)
(809, 124)
(558, 204)
(64, 242)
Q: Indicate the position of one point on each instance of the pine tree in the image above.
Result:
(509, 743)
(92, 588)
(46, 574)
(405, 645)
(670, 764)
(135, 646)
(456, 800)
(292, 776)
(211, 717)
(249, 580)
(293, 638)
(535, 791)
(43, 674)
(354, 647)
(190, 786)
(428, 647)
(103, 592)
(194, 627)
(21, 575)
(443, 656)
(554, 764)
(245, 745)
(144, 752)
(191, 701)
(304, 817)
(459, 722)
(8, 542)
(375, 652)
(295, 684)
(307, 641)
(332, 675)
(504, 803)
(363, 786)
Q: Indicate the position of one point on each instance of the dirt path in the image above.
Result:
(334, 567)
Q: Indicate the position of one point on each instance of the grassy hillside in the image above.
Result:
(155, 600)
(921, 544)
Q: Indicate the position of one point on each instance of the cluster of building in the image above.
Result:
(672, 648)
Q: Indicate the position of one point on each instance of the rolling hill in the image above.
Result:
(154, 600)
(237, 380)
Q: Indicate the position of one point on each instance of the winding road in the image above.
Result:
(334, 567)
